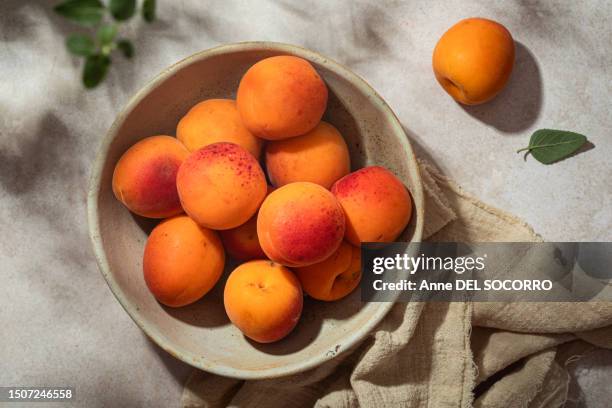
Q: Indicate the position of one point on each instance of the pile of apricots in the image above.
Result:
(295, 217)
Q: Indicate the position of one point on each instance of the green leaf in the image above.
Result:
(548, 145)
(106, 34)
(122, 9)
(84, 12)
(148, 10)
(95, 69)
(80, 44)
(126, 48)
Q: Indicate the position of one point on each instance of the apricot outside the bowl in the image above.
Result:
(376, 204)
(335, 277)
(221, 186)
(182, 261)
(216, 120)
(300, 224)
(144, 179)
(281, 97)
(264, 300)
(320, 156)
(473, 60)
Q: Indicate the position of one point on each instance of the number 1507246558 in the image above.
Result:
(33, 394)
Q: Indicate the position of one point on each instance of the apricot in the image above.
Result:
(320, 156)
(264, 300)
(335, 277)
(221, 185)
(376, 205)
(281, 97)
(300, 224)
(473, 60)
(144, 179)
(216, 120)
(242, 242)
(182, 261)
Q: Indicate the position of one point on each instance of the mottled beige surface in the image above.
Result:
(61, 324)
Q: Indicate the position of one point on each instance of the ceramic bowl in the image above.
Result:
(201, 334)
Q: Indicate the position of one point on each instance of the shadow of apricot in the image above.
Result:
(295, 341)
(518, 106)
(145, 224)
(209, 311)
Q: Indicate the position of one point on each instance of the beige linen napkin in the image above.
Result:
(426, 354)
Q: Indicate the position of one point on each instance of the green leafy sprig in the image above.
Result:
(548, 145)
(103, 21)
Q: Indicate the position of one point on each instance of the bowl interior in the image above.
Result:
(201, 334)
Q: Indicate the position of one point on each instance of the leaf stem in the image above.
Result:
(544, 145)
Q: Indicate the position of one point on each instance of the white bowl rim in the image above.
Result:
(201, 362)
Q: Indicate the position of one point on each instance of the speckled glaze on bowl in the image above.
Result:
(201, 334)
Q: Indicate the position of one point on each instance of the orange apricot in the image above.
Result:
(221, 185)
(376, 204)
(320, 156)
(335, 277)
(473, 60)
(242, 242)
(182, 261)
(216, 120)
(144, 179)
(300, 224)
(264, 300)
(281, 97)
